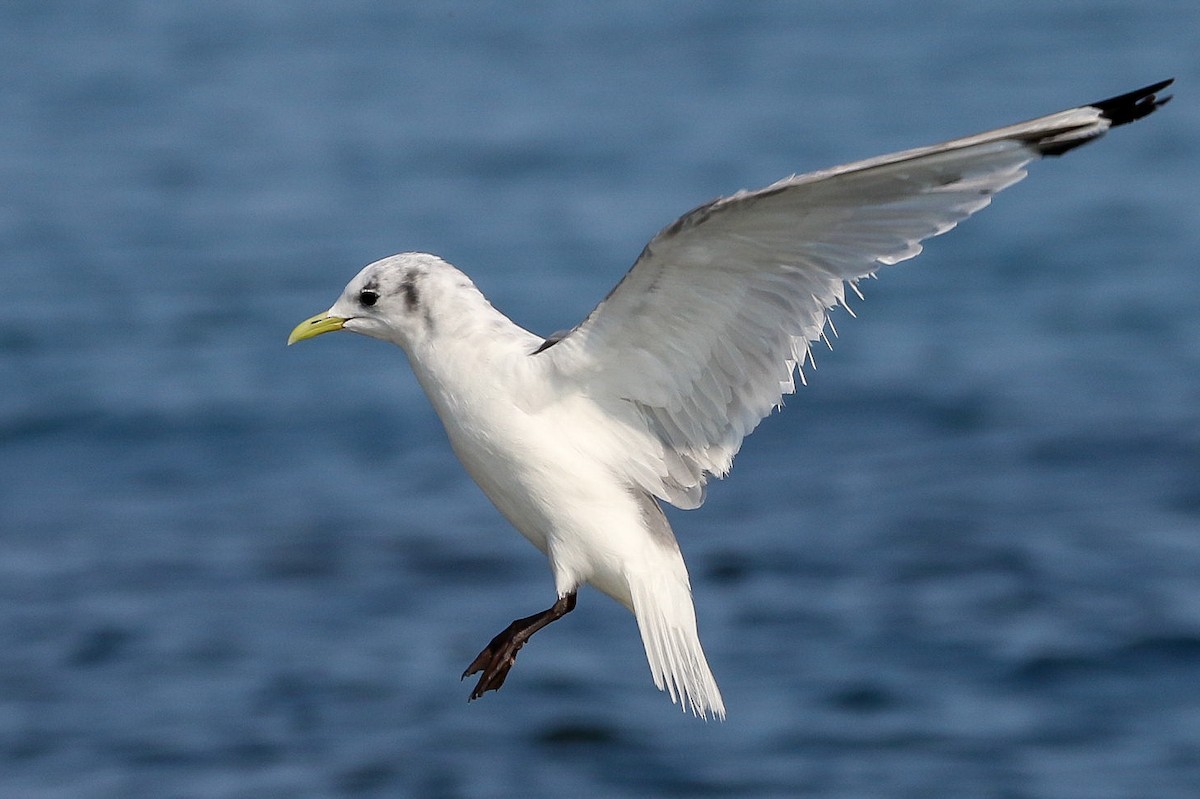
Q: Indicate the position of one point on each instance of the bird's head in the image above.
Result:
(392, 299)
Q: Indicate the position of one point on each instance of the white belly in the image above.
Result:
(553, 482)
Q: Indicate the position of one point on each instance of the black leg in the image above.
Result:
(501, 653)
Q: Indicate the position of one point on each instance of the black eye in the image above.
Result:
(367, 297)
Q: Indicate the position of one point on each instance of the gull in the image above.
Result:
(578, 438)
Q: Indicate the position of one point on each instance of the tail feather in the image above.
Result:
(667, 621)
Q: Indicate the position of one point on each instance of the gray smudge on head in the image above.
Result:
(412, 297)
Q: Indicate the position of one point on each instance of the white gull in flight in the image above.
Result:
(577, 438)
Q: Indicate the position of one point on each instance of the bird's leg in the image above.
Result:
(501, 653)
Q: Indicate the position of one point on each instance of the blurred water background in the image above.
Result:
(965, 561)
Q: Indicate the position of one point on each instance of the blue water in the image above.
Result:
(965, 561)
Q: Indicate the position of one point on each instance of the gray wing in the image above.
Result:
(705, 333)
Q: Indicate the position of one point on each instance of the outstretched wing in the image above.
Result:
(705, 333)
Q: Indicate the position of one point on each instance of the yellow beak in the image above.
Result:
(321, 323)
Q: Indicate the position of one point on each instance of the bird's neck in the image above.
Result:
(470, 354)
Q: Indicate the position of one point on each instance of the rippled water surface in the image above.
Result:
(965, 561)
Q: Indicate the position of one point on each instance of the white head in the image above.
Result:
(398, 299)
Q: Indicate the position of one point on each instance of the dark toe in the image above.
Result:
(480, 662)
(493, 676)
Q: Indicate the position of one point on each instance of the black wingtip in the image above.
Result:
(1119, 110)
(1125, 108)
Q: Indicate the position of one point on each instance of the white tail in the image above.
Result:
(662, 603)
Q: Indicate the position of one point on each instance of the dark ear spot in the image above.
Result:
(412, 297)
